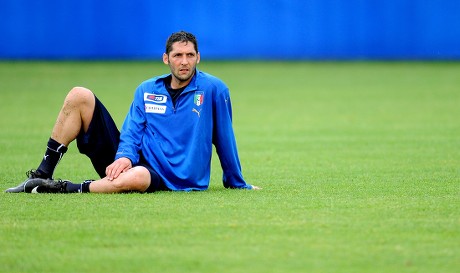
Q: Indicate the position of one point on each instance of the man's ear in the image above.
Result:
(198, 58)
(165, 58)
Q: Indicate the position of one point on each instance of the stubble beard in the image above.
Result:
(183, 78)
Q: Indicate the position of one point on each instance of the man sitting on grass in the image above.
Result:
(166, 139)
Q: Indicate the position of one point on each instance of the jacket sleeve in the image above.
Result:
(225, 142)
(132, 129)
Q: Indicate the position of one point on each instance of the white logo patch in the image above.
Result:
(153, 108)
(155, 98)
(34, 190)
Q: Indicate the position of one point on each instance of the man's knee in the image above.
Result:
(82, 101)
(135, 179)
(80, 95)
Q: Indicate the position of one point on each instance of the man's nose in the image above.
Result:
(184, 60)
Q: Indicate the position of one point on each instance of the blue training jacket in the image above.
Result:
(177, 140)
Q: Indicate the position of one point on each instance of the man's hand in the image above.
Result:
(255, 188)
(118, 166)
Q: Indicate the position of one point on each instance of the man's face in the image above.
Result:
(182, 61)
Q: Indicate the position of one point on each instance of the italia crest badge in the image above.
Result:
(198, 99)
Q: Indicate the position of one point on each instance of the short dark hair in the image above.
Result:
(181, 36)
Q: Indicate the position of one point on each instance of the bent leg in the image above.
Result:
(75, 115)
(135, 179)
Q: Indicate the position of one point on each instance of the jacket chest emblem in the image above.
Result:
(198, 98)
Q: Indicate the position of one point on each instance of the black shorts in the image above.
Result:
(100, 144)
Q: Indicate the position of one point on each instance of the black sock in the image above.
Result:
(53, 155)
(85, 186)
(74, 188)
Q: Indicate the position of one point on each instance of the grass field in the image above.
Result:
(359, 164)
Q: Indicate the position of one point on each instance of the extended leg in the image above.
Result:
(135, 179)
